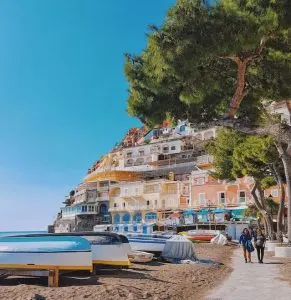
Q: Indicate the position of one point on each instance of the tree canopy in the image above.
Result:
(237, 155)
(207, 61)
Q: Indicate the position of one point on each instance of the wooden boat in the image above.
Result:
(201, 235)
(148, 243)
(141, 257)
(135, 256)
(45, 253)
(107, 247)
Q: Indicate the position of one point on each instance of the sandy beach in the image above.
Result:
(156, 280)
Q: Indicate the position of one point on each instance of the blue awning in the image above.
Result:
(219, 210)
(188, 212)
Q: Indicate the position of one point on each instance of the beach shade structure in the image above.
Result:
(188, 212)
(174, 215)
(238, 213)
(179, 248)
(219, 210)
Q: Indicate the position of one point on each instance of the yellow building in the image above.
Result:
(146, 201)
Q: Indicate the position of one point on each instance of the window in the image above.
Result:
(163, 203)
(91, 208)
(123, 204)
(125, 191)
(221, 197)
(129, 154)
(242, 196)
(148, 202)
(274, 193)
(202, 199)
(152, 188)
(136, 191)
(141, 152)
(166, 149)
(173, 148)
(115, 205)
(130, 162)
(84, 208)
(156, 203)
(172, 189)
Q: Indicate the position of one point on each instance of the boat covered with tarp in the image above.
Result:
(179, 249)
(45, 253)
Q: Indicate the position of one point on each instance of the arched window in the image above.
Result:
(137, 217)
(126, 217)
(116, 219)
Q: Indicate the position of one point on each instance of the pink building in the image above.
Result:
(208, 192)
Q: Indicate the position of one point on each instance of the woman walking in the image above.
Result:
(260, 241)
(246, 242)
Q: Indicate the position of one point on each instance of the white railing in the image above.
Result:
(103, 198)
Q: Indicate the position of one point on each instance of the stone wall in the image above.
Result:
(78, 224)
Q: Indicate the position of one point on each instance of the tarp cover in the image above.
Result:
(179, 248)
(220, 239)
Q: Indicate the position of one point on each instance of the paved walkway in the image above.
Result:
(252, 281)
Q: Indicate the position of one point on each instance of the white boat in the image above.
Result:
(141, 257)
(135, 256)
(45, 253)
(107, 247)
(148, 243)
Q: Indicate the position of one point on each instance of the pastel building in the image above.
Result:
(208, 193)
(147, 201)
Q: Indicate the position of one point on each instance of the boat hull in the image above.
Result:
(147, 245)
(45, 253)
(107, 248)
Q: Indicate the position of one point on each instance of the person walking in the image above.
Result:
(246, 242)
(260, 241)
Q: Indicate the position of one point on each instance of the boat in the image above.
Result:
(201, 235)
(141, 257)
(135, 256)
(45, 253)
(149, 243)
(107, 247)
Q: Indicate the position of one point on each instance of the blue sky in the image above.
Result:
(62, 96)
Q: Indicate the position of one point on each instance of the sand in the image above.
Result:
(157, 280)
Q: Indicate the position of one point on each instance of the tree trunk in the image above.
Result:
(281, 204)
(286, 160)
(257, 194)
(240, 87)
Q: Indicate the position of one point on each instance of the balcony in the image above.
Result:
(103, 188)
(102, 198)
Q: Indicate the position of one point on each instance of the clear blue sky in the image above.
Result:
(62, 96)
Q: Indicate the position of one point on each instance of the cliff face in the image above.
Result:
(78, 224)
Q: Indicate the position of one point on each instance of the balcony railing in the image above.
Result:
(103, 198)
(104, 188)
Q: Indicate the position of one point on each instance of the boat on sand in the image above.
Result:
(45, 253)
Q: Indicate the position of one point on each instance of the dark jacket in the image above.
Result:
(260, 240)
(244, 238)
